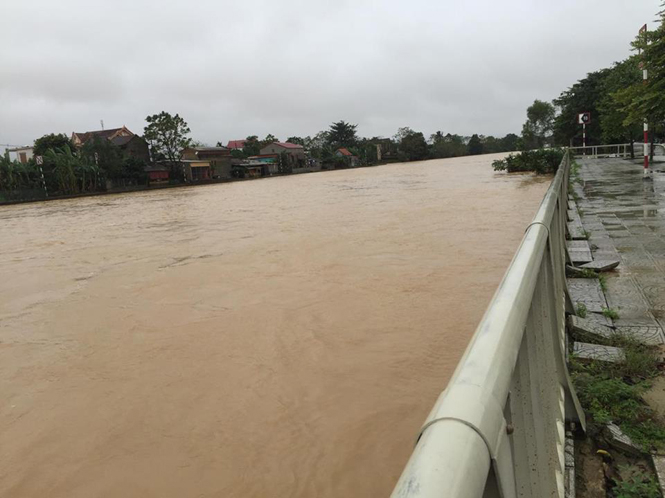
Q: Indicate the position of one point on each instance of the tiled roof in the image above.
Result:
(120, 141)
(108, 134)
(209, 149)
(288, 145)
(236, 144)
(344, 152)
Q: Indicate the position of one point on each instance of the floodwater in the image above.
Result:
(282, 337)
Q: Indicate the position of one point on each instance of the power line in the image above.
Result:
(13, 145)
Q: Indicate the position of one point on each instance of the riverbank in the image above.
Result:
(617, 338)
(146, 188)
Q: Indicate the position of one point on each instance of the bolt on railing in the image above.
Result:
(498, 428)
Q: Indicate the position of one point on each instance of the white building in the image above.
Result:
(20, 154)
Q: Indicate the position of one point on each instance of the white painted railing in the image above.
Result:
(498, 428)
(614, 150)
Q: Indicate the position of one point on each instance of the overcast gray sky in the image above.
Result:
(292, 67)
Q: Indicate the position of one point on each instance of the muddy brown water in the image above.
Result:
(268, 338)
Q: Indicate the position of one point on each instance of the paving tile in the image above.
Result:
(652, 335)
(590, 326)
(619, 440)
(576, 231)
(579, 251)
(602, 264)
(632, 213)
(597, 352)
(588, 292)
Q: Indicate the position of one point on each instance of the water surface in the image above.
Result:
(268, 338)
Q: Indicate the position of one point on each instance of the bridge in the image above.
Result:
(504, 424)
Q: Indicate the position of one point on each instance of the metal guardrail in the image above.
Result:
(614, 150)
(498, 428)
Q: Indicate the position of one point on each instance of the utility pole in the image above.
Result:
(584, 138)
(584, 118)
(647, 171)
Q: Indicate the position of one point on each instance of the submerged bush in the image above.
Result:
(542, 161)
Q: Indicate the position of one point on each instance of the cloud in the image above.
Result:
(292, 67)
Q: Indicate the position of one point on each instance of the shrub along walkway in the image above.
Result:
(623, 217)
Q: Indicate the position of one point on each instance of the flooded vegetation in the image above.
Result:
(280, 337)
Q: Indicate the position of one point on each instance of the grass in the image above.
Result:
(602, 279)
(635, 483)
(575, 172)
(610, 312)
(585, 273)
(586, 234)
(606, 399)
(581, 310)
(615, 394)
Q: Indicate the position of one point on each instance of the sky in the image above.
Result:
(292, 67)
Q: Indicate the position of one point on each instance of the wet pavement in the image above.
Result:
(625, 218)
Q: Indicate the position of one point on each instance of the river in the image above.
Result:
(281, 337)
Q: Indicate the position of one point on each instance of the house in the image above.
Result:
(196, 171)
(269, 162)
(79, 139)
(20, 154)
(295, 153)
(385, 150)
(218, 159)
(130, 144)
(133, 146)
(248, 170)
(187, 170)
(157, 173)
(351, 160)
(236, 144)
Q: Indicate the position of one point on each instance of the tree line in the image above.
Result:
(66, 170)
(405, 145)
(617, 97)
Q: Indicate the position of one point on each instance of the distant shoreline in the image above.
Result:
(144, 188)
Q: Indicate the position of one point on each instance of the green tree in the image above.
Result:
(509, 143)
(342, 134)
(583, 96)
(619, 88)
(538, 127)
(413, 146)
(270, 139)
(296, 140)
(105, 155)
(16, 177)
(133, 169)
(475, 145)
(648, 100)
(51, 141)
(88, 176)
(65, 166)
(448, 145)
(252, 146)
(167, 136)
(319, 146)
(490, 144)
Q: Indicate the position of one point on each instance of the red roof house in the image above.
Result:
(236, 144)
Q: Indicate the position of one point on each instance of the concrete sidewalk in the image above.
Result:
(625, 217)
